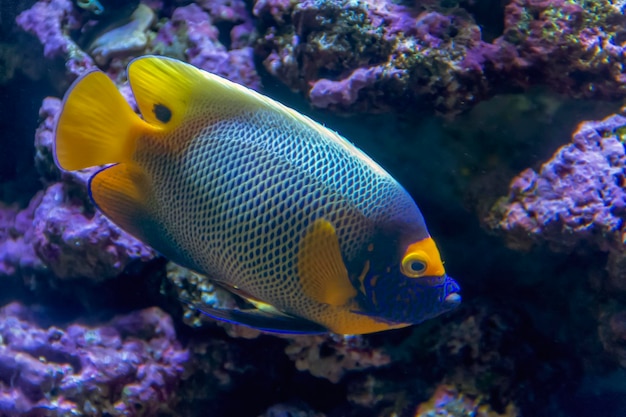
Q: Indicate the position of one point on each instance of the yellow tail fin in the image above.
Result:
(96, 125)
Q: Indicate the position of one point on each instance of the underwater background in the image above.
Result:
(502, 118)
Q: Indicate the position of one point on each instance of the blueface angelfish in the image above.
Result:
(263, 200)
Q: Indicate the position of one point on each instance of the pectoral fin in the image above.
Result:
(322, 272)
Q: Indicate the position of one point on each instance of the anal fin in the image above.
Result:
(265, 320)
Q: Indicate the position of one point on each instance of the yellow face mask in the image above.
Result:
(422, 259)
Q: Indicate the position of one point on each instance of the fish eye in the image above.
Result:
(414, 264)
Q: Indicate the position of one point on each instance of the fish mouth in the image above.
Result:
(452, 299)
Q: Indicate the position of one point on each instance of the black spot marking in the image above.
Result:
(163, 113)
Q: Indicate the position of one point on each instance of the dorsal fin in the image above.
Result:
(168, 91)
(163, 88)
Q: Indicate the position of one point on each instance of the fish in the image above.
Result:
(281, 211)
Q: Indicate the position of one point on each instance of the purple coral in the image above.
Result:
(17, 232)
(372, 55)
(226, 10)
(49, 21)
(448, 401)
(436, 56)
(17, 254)
(132, 361)
(76, 243)
(345, 92)
(576, 197)
(46, 20)
(193, 27)
(44, 138)
(572, 46)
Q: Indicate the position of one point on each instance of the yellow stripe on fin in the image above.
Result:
(96, 125)
(323, 274)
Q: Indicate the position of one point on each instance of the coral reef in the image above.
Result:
(50, 21)
(371, 55)
(17, 253)
(576, 198)
(331, 356)
(522, 355)
(447, 401)
(575, 46)
(44, 139)
(576, 204)
(324, 356)
(129, 366)
(488, 353)
(196, 289)
(191, 31)
(377, 55)
(75, 243)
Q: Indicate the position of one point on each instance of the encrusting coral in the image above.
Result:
(379, 55)
(130, 366)
(576, 198)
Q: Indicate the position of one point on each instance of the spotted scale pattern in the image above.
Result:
(236, 199)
